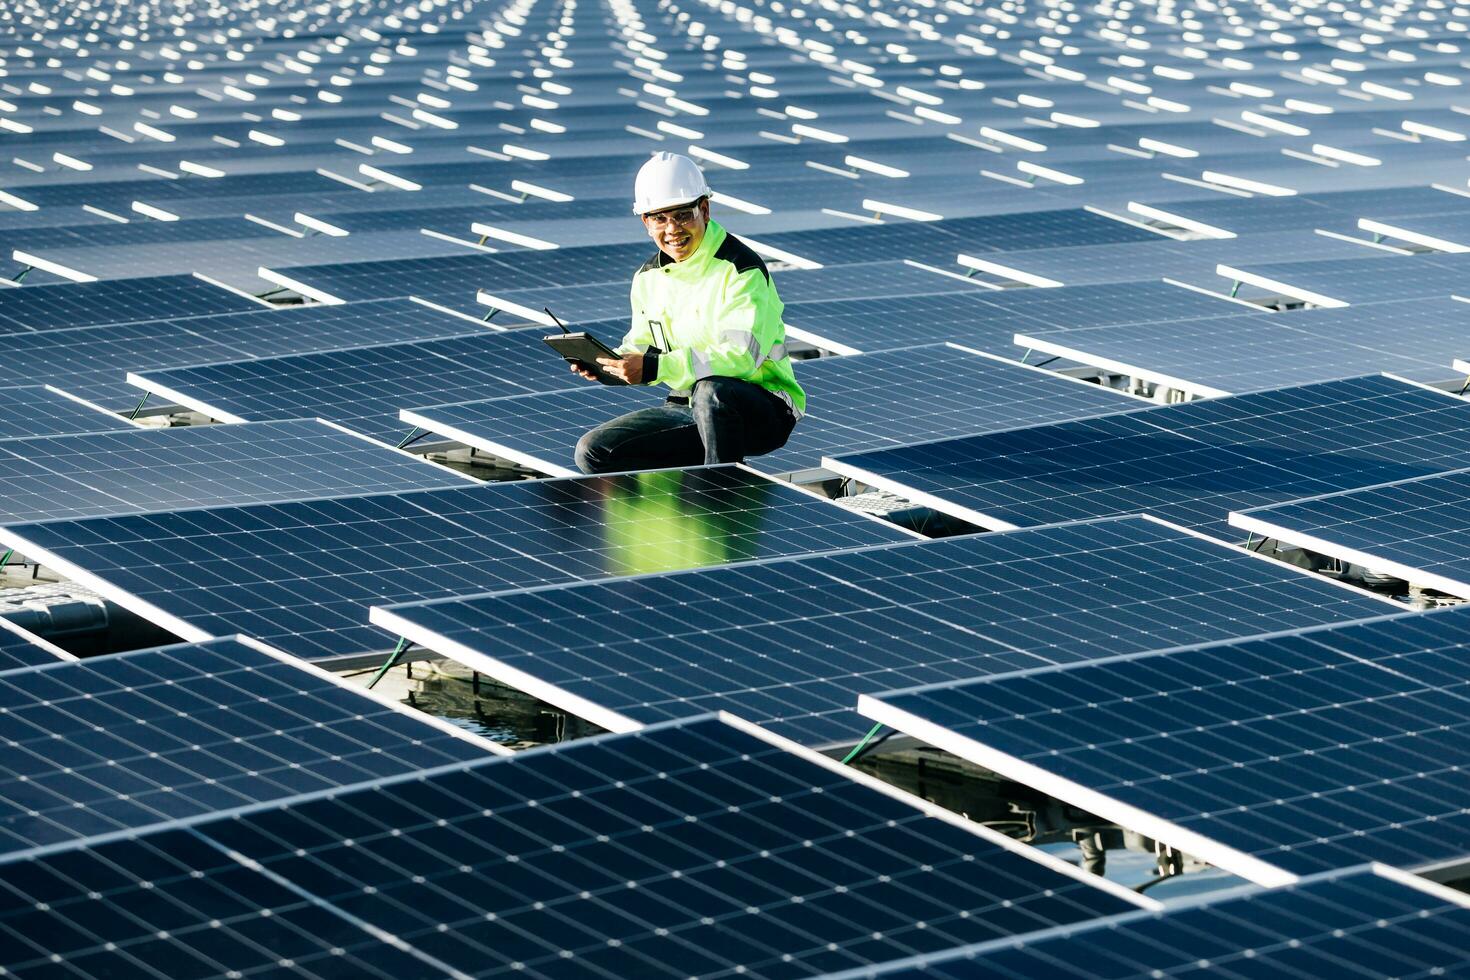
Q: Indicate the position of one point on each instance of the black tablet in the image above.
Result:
(585, 349)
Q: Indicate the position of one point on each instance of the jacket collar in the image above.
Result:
(714, 237)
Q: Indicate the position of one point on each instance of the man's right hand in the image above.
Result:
(579, 368)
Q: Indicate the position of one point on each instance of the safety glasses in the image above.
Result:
(679, 216)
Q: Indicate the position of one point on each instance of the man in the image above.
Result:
(706, 323)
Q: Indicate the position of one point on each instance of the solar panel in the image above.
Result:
(117, 301)
(463, 273)
(364, 387)
(1268, 758)
(124, 742)
(300, 575)
(173, 905)
(883, 323)
(701, 849)
(1414, 529)
(1256, 352)
(93, 362)
(1368, 920)
(1357, 280)
(1445, 232)
(1191, 464)
(1191, 261)
(939, 241)
(791, 643)
(866, 279)
(145, 470)
(862, 400)
(1074, 307)
(35, 410)
(21, 648)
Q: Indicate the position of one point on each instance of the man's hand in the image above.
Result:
(582, 369)
(628, 368)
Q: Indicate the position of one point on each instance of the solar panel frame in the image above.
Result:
(1301, 751)
(789, 642)
(1409, 528)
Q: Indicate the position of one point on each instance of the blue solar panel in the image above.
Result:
(939, 241)
(702, 848)
(859, 401)
(451, 274)
(34, 410)
(1256, 352)
(117, 301)
(93, 362)
(144, 470)
(989, 319)
(301, 575)
(1359, 280)
(364, 387)
(1192, 261)
(1192, 464)
(18, 648)
(865, 279)
(175, 732)
(173, 905)
(1414, 529)
(1373, 921)
(791, 644)
(1287, 755)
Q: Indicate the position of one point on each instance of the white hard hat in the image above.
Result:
(667, 180)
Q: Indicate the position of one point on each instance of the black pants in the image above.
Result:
(725, 421)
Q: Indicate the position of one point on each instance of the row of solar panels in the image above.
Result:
(703, 845)
(235, 811)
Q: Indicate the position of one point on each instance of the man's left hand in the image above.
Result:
(628, 368)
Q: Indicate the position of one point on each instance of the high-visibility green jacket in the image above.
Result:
(716, 314)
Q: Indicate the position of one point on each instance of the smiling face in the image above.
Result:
(678, 231)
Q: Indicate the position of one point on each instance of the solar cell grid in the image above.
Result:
(695, 849)
(1270, 758)
(364, 387)
(300, 575)
(1414, 529)
(116, 301)
(93, 362)
(1256, 352)
(441, 274)
(144, 470)
(790, 644)
(1191, 464)
(173, 905)
(938, 241)
(1367, 921)
(882, 323)
(142, 739)
(35, 410)
(18, 648)
(1358, 280)
(856, 401)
